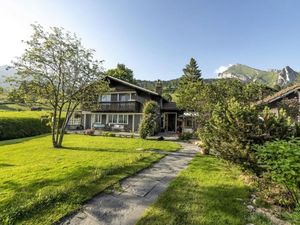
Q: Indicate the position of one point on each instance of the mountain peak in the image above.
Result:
(271, 77)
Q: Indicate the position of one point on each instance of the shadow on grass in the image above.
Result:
(99, 149)
(21, 140)
(6, 165)
(81, 185)
(187, 202)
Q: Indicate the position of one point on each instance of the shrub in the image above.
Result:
(281, 159)
(90, 132)
(11, 128)
(233, 130)
(149, 123)
(186, 135)
(108, 134)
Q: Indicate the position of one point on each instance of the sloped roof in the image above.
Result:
(169, 106)
(133, 85)
(280, 94)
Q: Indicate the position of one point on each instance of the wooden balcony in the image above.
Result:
(130, 106)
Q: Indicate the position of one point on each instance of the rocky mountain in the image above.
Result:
(270, 78)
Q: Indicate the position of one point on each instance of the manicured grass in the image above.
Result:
(40, 184)
(208, 192)
(22, 114)
(16, 107)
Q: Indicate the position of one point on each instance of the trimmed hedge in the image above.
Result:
(11, 128)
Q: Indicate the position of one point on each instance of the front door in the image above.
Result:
(171, 122)
(87, 121)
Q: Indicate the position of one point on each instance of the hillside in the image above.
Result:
(168, 85)
(271, 78)
(4, 73)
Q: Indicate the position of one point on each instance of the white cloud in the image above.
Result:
(221, 69)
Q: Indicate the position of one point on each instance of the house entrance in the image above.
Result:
(171, 122)
(88, 121)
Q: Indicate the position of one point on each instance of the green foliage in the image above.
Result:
(167, 96)
(108, 134)
(203, 98)
(11, 128)
(186, 136)
(233, 130)
(291, 106)
(149, 123)
(58, 71)
(121, 72)
(282, 160)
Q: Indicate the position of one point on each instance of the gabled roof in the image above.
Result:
(280, 94)
(133, 85)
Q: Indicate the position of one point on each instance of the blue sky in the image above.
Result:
(156, 38)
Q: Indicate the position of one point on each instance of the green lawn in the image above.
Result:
(39, 184)
(208, 192)
(16, 107)
(22, 114)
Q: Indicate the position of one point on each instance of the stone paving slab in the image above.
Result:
(138, 192)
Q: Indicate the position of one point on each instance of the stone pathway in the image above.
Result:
(137, 193)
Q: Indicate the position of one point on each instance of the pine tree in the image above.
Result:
(191, 72)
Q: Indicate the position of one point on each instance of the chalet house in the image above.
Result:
(277, 100)
(121, 109)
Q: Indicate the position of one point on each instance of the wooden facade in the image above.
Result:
(123, 106)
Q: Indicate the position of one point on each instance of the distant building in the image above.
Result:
(276, 101)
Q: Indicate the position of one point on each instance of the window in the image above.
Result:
(112, 118)
(118, 119)
(189, 122)
(133, 96)
(124, 97)
(105, 98)
(123, 119)
(97, 117)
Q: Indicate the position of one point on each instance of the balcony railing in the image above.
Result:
(128, 106)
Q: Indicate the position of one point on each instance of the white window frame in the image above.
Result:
(113, 115)
(119, 97)
(105, 98)
(108, 96)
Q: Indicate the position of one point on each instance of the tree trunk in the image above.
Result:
(54, 139)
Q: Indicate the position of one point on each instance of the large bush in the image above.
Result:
(149, 123)
(281, 159)
(11, 128)
(233, 130)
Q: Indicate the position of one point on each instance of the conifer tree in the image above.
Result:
(191, 72)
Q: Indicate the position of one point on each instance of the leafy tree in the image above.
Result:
(167, 96)
(281, 159)
(203, 97)
(121, 72)
(62, 73)
(149, 123)
(22, 93)
(232, 131)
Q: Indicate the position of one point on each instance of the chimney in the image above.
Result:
(158, 87)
